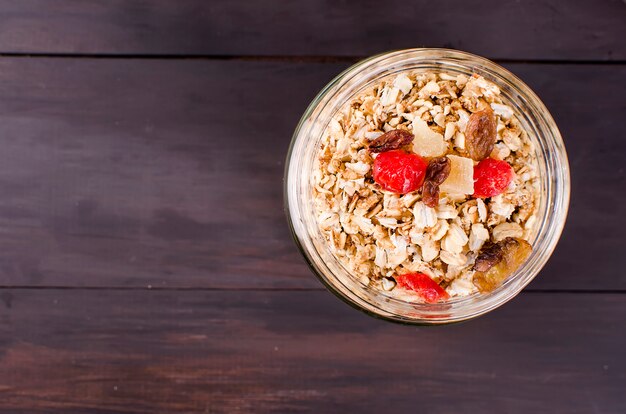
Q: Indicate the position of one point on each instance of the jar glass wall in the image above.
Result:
(535, 118)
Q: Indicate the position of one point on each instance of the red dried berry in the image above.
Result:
(399, 171)
(423, 285)
(491, 177)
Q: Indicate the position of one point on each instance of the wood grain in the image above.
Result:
(240, 352)
(141, 214)
(532, 29)
(169, 173)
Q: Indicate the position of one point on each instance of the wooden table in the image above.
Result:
(145, 260)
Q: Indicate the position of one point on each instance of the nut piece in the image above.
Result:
(480, 134)
(392, 140)
(436, 173)
(496, 262)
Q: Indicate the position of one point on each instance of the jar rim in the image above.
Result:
(345, 86)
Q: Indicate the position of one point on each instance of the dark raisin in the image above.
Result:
(436, 173)
(392, 140)
(489, 257)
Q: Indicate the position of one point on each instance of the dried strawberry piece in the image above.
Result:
(423, 285)
(399, 171)
(491, 177)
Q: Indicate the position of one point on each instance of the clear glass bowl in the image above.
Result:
(553, 172)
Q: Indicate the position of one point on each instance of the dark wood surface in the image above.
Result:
(528, 29)
(285, 351)
(145, 261)
(118, 173)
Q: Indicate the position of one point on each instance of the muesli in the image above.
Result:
(426, 187)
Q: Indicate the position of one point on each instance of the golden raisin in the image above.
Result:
(480, 134)
(497, 261)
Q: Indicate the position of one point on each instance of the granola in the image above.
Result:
(454, 122)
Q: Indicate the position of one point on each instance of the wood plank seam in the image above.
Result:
(283, 58)
(270, 289)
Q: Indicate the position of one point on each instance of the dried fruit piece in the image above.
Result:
(427, 142)
(480, 134)
(438, 170)
(497, 261)
(491, 177)
(423, 285)
(488, 257)
(436, 173)
(399, 171)
(394, 139)
(461, 178)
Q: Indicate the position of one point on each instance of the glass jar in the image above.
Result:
(535, 118)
